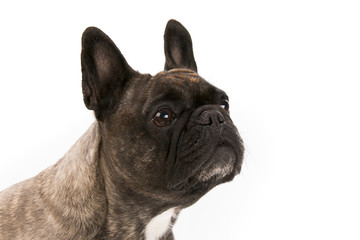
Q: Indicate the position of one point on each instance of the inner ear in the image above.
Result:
(178, 47)
(104, 71)
(104, 62)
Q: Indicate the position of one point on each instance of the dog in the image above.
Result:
(158, 144)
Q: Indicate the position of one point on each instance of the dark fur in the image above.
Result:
(126, 169)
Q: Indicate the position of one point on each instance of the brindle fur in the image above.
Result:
(124, 170)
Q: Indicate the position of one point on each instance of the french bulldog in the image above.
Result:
(158, 144)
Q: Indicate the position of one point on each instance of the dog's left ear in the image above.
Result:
(178, 47)
(104, 71)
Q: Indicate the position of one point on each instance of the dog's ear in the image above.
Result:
(104, 71)
(178, 47)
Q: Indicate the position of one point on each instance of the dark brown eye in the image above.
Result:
(225, 104)
(163, 117)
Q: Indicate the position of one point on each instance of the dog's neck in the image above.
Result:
(132, 214)
(85, 176)
(72, 189)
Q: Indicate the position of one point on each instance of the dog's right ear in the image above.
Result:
(104, 71)
(178, 47)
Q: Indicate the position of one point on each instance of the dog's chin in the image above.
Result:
(220, 168)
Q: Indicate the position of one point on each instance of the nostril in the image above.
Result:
(205, 119)
(210, 117)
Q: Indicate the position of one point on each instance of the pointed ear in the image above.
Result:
(104, 71)
(178, 47)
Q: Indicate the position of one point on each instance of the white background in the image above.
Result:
(291, 69)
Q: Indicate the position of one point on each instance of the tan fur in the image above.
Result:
(180, 76)
(65, 201)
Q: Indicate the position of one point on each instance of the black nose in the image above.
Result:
(210, 117)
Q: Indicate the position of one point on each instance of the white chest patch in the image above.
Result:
(158, 226)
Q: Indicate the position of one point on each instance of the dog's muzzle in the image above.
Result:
(209, 149)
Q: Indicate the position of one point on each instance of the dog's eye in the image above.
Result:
(163, 117)
(225, 104)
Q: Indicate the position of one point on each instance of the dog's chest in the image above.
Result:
(159, 225)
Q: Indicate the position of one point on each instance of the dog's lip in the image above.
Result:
(218, 166)
(231, 169)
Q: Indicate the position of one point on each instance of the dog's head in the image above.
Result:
(168, 136)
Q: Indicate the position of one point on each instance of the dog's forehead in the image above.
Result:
(180, 76)
(184, 82)
(180, 85)
(180, 80)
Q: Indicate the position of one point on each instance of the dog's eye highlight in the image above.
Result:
(163, 117)
(225, 104)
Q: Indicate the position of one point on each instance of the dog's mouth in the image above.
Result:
(219, 166)
(223, 165)
(203, 153)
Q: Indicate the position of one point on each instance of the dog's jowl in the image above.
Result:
(158, 144)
